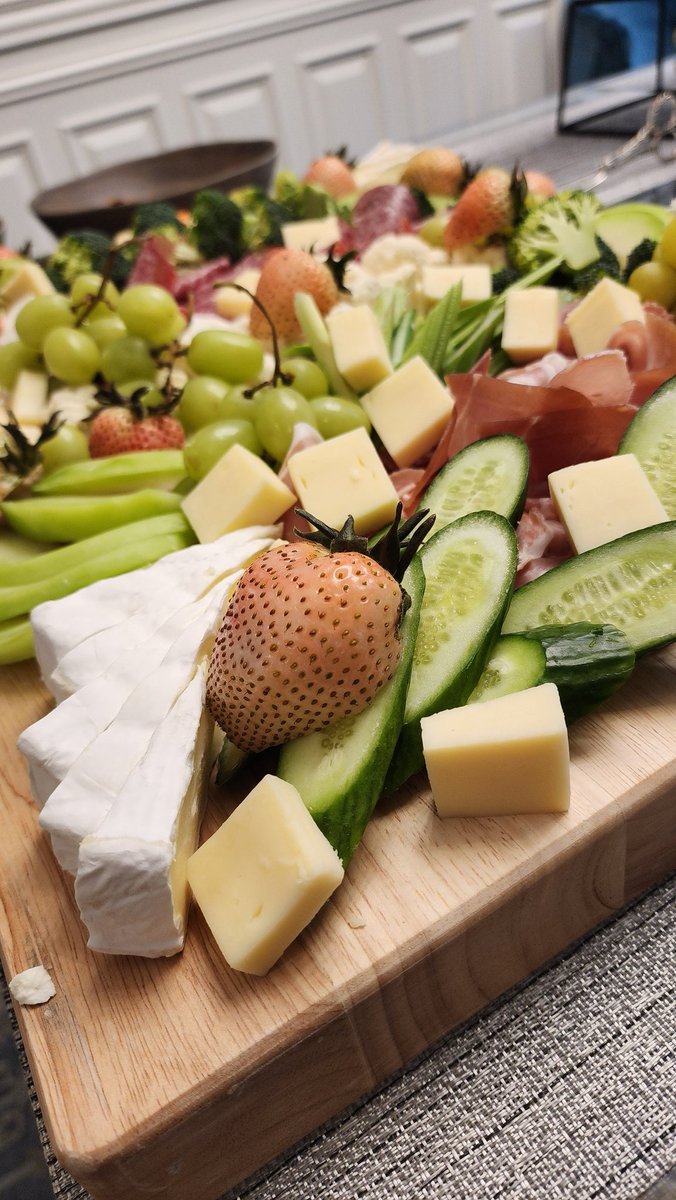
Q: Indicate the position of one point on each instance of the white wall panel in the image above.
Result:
(113, 134)
(234, 106)
(343, 97)
(439, 73)
(524, 50)
(20, 179)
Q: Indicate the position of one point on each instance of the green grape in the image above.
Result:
(105, 330)
(308, 377)
(149, 312)
(15, 357)
(655, 281)
(237, 404)
(204, 448)
(667, 244)
(335, 416)
(71, 355)
(68, 445)
(227, 354)
(201, 401)
(85, 287)
(40, 315)
(277, 411)
(127, 358)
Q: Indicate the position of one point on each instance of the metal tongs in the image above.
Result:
(657, 134)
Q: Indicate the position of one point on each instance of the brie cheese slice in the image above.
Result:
(61, 626)
(85, 795)
(131, 884)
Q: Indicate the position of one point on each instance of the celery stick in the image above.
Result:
(16, 640)
(72, 518)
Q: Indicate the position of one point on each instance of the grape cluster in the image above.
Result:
(124, 340)
(656, 280)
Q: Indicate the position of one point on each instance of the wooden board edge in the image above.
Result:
(214, 1146)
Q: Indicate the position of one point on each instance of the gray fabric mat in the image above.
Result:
(563, 1089)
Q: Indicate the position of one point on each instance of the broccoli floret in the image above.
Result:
(156, 218)
(77, 253)
(642, 253)
(262, 218)
(216, 225)
(606, 265)
(562, 229)
(504, 278)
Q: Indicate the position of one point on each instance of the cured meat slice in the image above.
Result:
(155, 263)
(196, 288)
(390, 208)
(603, 378)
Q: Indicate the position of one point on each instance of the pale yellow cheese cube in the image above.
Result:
(262, 877)
(231, 303)
(594, 320)
(239, 490)
(344, 477)
(531, 324)
(507, 756)
(29, 398)
(600, 501)
(409, 410)
(20, 279)
(476, 280)
(317, 234)
(358, 345)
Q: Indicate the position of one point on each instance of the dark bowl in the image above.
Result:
(106, 199)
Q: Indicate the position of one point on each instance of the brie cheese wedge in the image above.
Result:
(83, 798)
(61, 627)
(131, 885)
(54, 743)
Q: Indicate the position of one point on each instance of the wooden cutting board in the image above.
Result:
(179, 1077)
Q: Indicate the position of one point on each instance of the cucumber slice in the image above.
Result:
(339, 771)
(652, 438)
(469, 567)
(516, 663)
(586, 662)
(629, 583)
(491, 474)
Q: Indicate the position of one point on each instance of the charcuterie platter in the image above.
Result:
(165, 1063)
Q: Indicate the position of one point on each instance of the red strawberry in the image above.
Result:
(284, 273)
(333, 173)
(117, 430)
(311, 634)
(490, 204)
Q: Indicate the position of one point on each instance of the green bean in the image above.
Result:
(72, 518)
(16, 640)
(15, 601)
(15, 549)
(114, 473)
(64, 558)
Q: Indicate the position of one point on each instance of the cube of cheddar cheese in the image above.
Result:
(506, 756)
(531, 325)
(600, 501)
(344, 477)
(358, 345)
(594, 320)
(262, 877)
(475, 278)
(409, 410)
(239, 490)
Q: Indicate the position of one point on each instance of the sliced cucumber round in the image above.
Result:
(516, 663)
(488, 475)
(629, 583)
(469, 568)
(652, 438)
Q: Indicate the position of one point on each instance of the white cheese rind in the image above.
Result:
(600, 501)
(61, 626)
(263, 876)
(507, 756)
(85, 796)
(131, 884)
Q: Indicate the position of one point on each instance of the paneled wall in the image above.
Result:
(87, 83)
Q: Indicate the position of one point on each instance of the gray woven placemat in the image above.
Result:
(562, 1090)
